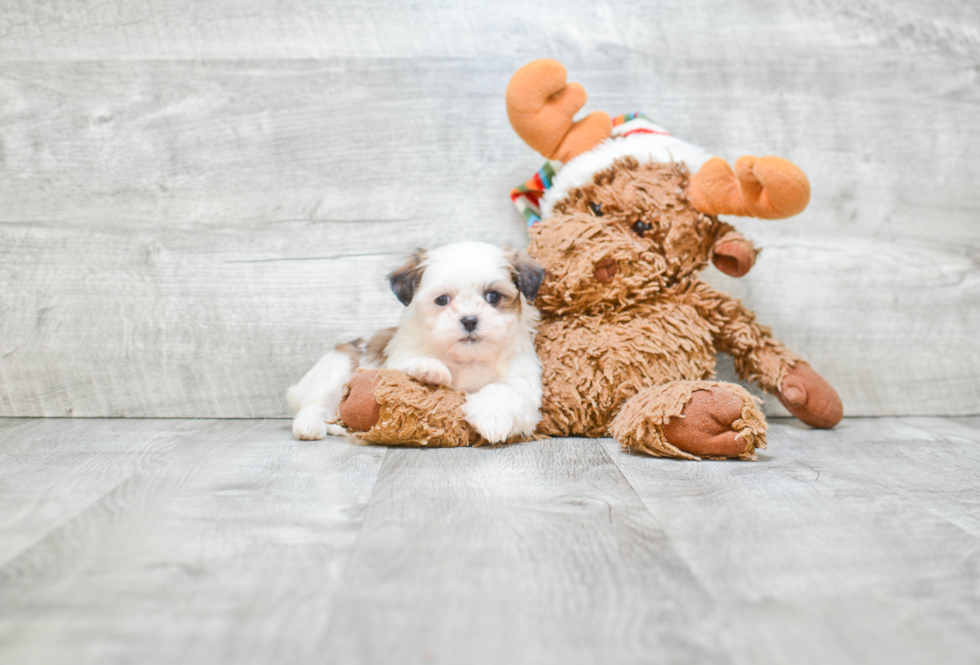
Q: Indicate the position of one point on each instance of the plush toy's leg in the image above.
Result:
(387, 406)
(765, 187)
(692, 420)
(761, 358)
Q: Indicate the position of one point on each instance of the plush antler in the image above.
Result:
(764, 187)
(541, 105)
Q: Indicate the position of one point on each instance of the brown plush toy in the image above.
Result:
(628, 332)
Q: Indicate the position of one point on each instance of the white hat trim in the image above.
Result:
(646, 148)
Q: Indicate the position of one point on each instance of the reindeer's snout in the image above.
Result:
(605, 270)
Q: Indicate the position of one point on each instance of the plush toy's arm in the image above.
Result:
(390, 407)
(763, 359)
(759, 357)
(387, 406)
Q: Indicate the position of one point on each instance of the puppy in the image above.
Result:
(467, 324)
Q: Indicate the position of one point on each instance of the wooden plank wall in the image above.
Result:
(197, 199)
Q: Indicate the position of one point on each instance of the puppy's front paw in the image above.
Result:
(309, 426)
(487, 413)
(429, 370)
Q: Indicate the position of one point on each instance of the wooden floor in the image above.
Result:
(219, 541)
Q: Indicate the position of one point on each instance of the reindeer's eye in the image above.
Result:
(639, 228)
(596, 209)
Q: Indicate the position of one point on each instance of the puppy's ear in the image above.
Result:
(528, 274)
(406, 279)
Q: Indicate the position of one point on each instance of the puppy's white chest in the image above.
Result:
(472, 377)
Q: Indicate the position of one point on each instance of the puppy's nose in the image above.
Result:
(469, 322)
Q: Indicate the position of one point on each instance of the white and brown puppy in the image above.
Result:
(467, 324)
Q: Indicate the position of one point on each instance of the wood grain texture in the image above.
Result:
(539, 553)
(227, 549)
(197, 201)
(52, 470)
(302, 29)
(853, 546)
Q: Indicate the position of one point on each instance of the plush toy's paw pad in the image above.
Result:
(809, 397)
(429, 370)
(793, 395)
(308, 426)
(358, 409)
(705, 425)
(734, 257)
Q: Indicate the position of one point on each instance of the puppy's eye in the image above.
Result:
(442, 301)
(492, 297)
(639, 228)
(596, 209)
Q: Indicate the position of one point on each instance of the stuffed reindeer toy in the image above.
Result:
(629, 333)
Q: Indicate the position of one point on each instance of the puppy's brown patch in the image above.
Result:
(372, 353)
(354, 350)
(377, 348)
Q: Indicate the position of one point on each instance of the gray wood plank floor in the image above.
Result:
(203, 541)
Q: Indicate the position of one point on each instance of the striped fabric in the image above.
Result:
(636, 123)
(527, 195)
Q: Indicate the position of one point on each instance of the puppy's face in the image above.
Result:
(468, 297)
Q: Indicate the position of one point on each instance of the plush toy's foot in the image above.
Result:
(387, 406)
(809, 397)
(358, 409)
(692, 420)
(704, 427)
(764, 187)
